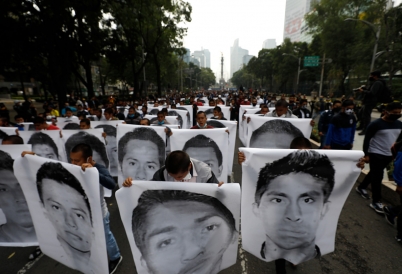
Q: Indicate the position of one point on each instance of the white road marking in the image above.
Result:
(29, 265)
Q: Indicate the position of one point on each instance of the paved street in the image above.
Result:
(364, 244)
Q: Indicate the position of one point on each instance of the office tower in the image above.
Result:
(269, 44)
(236, 57)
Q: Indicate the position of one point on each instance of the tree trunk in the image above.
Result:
(89, 84)
(158, 75)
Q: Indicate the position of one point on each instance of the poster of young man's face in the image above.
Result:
(269, 132)
(206, 145)
(243, 123)
(292, 199)
(45, 143)
(16, 226)
(181, 227)
(183, 117)
(141, 151)
(64, 202)
(232, 127)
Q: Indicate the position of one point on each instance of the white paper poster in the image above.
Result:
(232, 127)
(209, 111)
(45, 143)
(141, 151)
(182, 116)
(206, 145)
(272, 132)
(181, 227)
(6, 131)
(243, 124)
(65, 206)
(292, 199)
(189, 110)
(16, 226)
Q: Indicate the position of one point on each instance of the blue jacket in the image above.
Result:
(341, 130)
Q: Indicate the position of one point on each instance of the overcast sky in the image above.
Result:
(217, 23)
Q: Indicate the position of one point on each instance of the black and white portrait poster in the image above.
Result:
(181, 227)
(242, 108)
(189, 110)
(292, 199)
(64, 202)
(141, 151)
(206, 145)
(232, 127)
(273, 132)
(183, 118)
(16, 226)
(243, 124)
(209, 111)
(45, 143)
(109, 127)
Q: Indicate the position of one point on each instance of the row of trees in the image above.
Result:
(348, 43)
(60, 42)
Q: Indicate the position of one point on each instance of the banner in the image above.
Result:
(141, 151)
(181, 227)
(292, 199)
(16, 226)
(64, 202)
(189, 110)
(206, 145)
(45, 143)
(232, 127)
(182, 116)
(243, 124)
(273, 132)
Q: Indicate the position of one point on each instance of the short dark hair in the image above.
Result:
(6, 162)
(177, 161)
(336, 102)
(160, 112)
(68, 109)
(347, 103)
(17, 117)
(275, 126)
(39, 120)
(146, 119)
(303, 101)
(300, 143)
(301, 161)
(86, 121)
(108, 129)
(85, 149)
(108, 111)
(72, 126)
(393, 105)
(218, 109)
(376, 73)
(14, 139)
(41, 138)
(150, 199)
(56, 172)
(83, 137)
(201, 141)
(201, 112)
(281, 103)
(145, 134)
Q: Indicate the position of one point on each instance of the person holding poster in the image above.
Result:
(179, 167)
(201, 121)
(291, 213)
(141, 153)
(178, 231)
(19, 226)
(41, 124)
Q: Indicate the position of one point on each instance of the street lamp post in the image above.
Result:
(298, 68)
(376, 30)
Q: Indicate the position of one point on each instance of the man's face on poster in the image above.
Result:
(191, 238)
(12, 200)
(291, 209)
(67, 211)
(206, 155)
(44, 150)
(111, 148)
(141, 160)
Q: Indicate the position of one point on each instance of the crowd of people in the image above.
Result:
(337, 123)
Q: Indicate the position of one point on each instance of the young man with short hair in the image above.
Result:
(40, 124)
(341, 130)
(218, 115)
(201, 121)
(380, 136)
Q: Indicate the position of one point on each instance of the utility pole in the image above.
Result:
(322, 76)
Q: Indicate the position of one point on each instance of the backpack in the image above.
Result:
(384, 96)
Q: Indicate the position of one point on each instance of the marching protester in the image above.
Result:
(201, 121)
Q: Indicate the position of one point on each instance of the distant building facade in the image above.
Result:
(247, 58)
(236, 57)
(269, 44)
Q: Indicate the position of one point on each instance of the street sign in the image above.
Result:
(311, 61)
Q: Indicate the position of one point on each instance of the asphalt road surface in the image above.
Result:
(364, 244)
